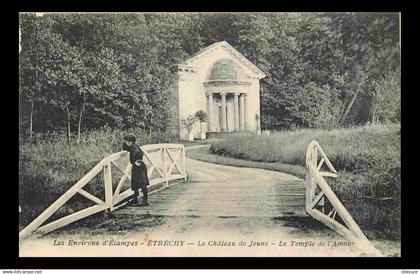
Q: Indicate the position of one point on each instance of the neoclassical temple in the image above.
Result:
(223, 83)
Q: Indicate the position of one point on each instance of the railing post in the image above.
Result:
(314, 161)
(311, 157)
(308, 180)
(165, 168)
(184, 169)
(108, 185)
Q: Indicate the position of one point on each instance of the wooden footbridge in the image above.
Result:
(207, 194)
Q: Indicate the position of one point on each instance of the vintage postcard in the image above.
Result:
(209, 135)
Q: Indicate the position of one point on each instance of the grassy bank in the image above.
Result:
(207, 156)
(49, 166)
(367, 159)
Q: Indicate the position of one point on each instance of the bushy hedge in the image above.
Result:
(367, 158)
(49, 166)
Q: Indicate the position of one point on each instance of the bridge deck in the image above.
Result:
(215, 190)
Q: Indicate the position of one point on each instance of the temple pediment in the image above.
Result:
(249, 69)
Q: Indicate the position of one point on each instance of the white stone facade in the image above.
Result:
(224, 84)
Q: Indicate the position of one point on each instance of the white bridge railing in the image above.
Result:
(322, 203)
(165, 162)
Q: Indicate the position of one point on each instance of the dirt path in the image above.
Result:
(203, 171)
(221, 211)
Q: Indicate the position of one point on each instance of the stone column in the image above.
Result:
(210, 112)
(223, 94)
(236, 112)
(242, 111)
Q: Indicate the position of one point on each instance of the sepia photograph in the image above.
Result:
(209, 134)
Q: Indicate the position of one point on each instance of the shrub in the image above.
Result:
(201, 116)
(188, 122)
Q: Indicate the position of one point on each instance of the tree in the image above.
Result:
(371, 43)
(31, 62)
(201, 117)
(323, 70)
(188, 122)
(386, 99)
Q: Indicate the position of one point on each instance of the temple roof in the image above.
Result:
(237, 56)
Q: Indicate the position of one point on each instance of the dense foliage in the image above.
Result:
(81, 72)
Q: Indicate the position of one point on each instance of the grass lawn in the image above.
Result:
(207, 156)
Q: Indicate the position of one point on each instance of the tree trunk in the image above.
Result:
(356, 85)
(31, 117)
(342, 109)
(346, 112)
(68, 124)
(374, 118)
(80, 119)
(79, 125)
(150, 125)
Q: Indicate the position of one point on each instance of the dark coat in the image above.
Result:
(139, 177)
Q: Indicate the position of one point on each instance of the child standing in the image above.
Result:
(139, 179)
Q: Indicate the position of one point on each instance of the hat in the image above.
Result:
(130, 137)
